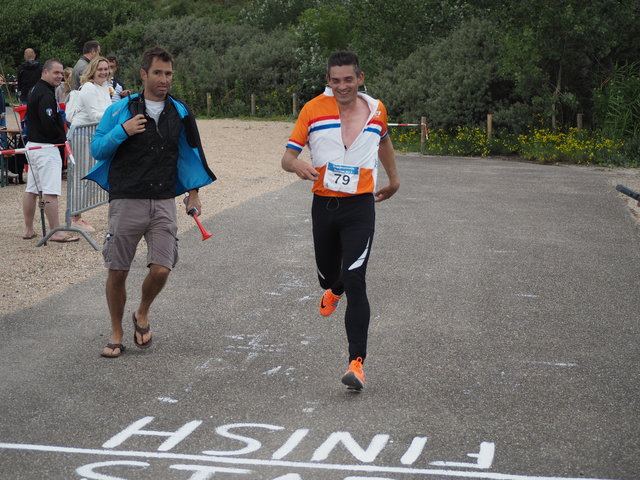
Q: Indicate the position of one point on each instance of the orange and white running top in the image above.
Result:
(343, 171)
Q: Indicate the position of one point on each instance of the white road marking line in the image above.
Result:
(279, 463)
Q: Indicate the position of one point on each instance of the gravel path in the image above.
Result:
(244, 155)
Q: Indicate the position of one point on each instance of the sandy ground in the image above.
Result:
(244, 155)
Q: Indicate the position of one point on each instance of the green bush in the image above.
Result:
(543, 145)
(319, 32)
(455, 81)
(617, 111)
(230, 62)
(269, 15)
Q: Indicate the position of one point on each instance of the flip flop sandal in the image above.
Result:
(65, 239)
(113, 346)
(141, 331)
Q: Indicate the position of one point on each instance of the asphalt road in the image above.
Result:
(504, 344)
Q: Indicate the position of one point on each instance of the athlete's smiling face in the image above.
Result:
(344, 82)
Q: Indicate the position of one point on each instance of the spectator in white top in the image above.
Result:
(94, 96)
(93, 99)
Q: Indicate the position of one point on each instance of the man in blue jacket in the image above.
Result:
(148, 150)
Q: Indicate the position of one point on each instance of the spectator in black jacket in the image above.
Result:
(46, 128)
(28, 74)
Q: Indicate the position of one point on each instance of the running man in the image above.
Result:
(347, 133)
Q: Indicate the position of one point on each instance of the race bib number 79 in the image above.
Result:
(341, 178)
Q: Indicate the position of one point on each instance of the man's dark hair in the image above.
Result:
(155, 52)
(343, 57)
(90, 46)
(48, 65)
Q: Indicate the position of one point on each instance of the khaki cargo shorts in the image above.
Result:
(131, 219)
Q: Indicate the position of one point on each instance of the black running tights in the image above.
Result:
(343, 233)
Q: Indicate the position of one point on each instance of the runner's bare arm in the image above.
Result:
(388, 159)
(291, 163)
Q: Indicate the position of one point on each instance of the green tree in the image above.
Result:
(57, 28)
(617, 107)
(225, 11)
(228, 61)
(269, 15)
(263, 66)
(319, 32)
(554, 50)
(385, 33)
(186, 38)
(454, 81)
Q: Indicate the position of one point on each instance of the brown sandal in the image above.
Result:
(113, 346)
(141, 331)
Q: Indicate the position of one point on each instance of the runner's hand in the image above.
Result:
(305, 171)
(386, 192)
(135, 124)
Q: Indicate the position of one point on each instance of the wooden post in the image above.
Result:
(253, 104)
(489, 125)
(579, 122)
(294, 100)
(208, 104)
(423, 133)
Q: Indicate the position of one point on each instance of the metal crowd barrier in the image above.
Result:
(82, 195)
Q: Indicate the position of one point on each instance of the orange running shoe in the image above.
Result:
(328, 303)
(354, 377)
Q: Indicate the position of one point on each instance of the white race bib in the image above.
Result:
(341, 178)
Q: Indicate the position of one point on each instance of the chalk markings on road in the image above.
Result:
(167, 400)
(273, 371)
(552, 364)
